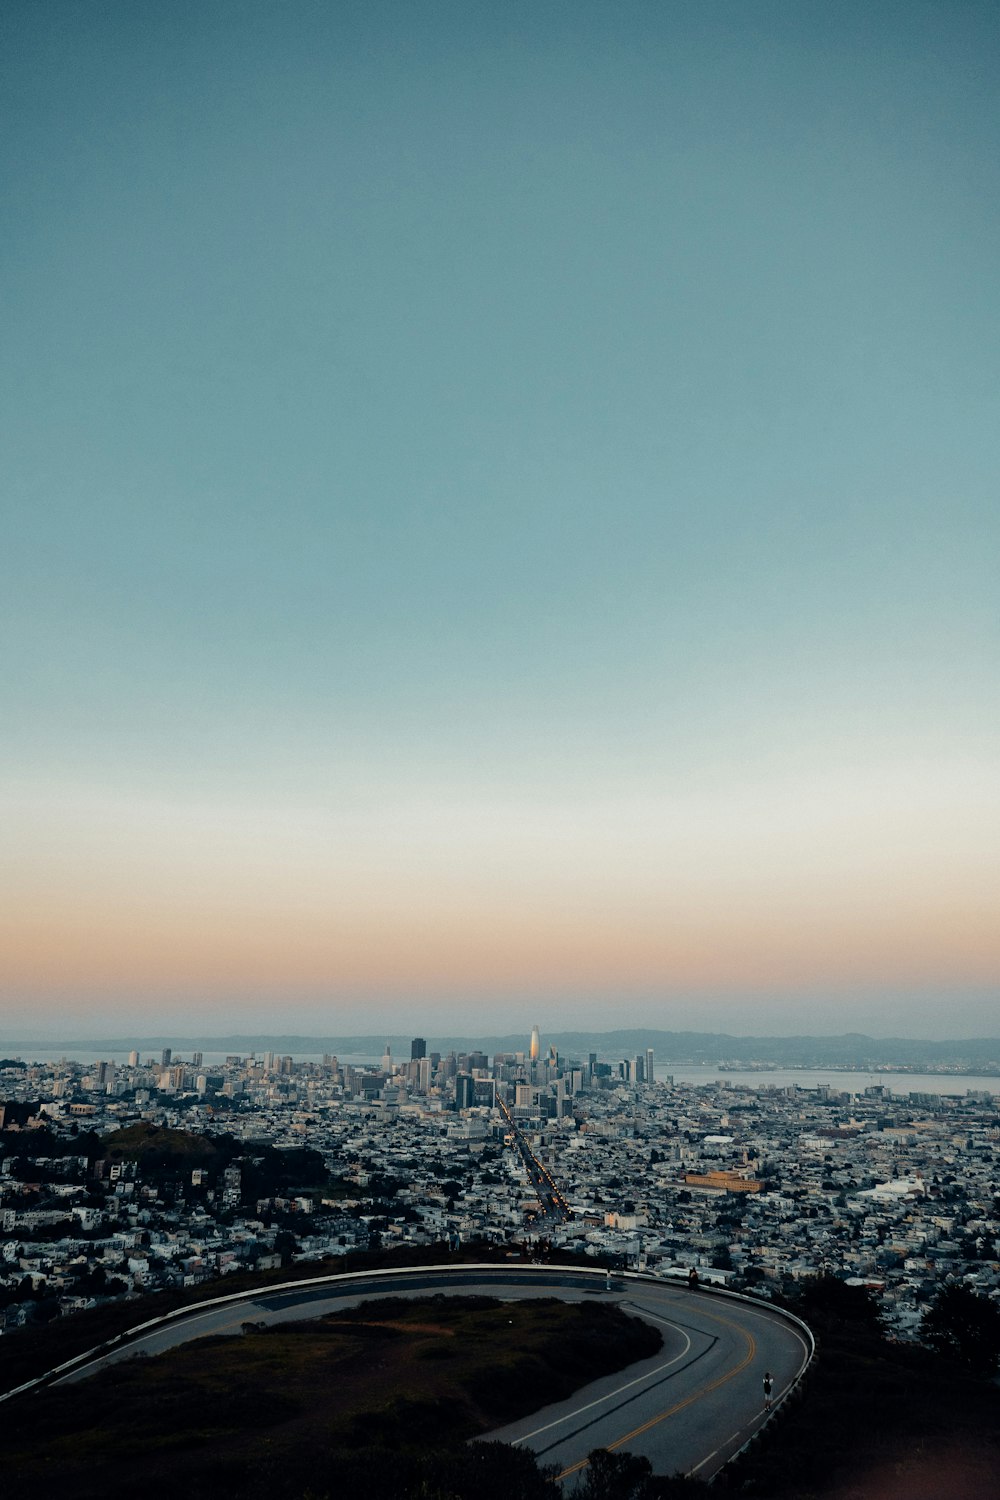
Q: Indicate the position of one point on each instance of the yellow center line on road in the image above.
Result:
(611, 1395)
(697, 1395)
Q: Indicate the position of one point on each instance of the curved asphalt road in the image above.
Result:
(688, 1409)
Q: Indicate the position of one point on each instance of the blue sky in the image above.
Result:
(503, 497)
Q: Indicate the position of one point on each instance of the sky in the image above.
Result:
(500, 518)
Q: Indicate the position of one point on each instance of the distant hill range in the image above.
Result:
(717, 1049)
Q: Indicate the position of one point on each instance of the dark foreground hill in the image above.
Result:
(380, 1401)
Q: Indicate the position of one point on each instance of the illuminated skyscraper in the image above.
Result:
(535, 1044)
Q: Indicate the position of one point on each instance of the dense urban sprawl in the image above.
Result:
(121, 1179)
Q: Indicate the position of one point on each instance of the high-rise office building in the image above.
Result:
(650, 1075)
(165, 1057)
(418, 1048)
(535, 1044)
(465, 1090)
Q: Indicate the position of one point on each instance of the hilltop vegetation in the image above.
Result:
(151, 1144)
(380, 1399)
(161, 1152)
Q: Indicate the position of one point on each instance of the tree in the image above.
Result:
(615, 1476)
(485, 1471)
(285, 1245)
(624, 1476)
(826, 1301)
(964, 1325)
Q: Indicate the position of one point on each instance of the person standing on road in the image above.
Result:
(768, 1384)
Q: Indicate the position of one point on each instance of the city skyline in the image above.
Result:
(500, 518)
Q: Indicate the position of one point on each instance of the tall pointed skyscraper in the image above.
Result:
(535, 1044)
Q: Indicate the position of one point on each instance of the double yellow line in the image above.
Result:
(697, 1395)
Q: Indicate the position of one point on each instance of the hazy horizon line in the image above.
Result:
(261, 1038)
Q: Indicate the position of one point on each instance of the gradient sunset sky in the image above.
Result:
(501, 518)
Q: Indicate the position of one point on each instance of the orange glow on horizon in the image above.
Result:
(91, 944)
(812, 890)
